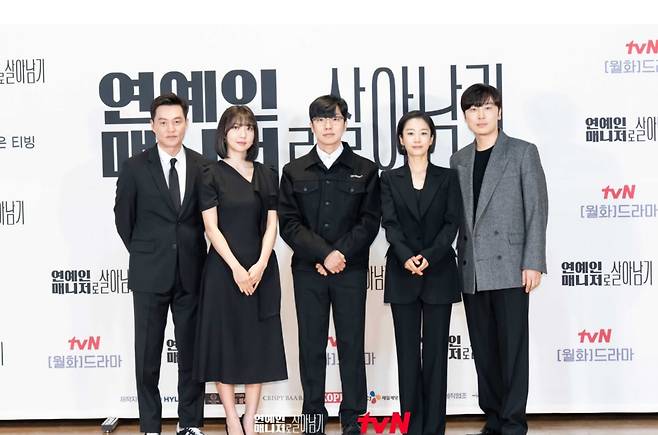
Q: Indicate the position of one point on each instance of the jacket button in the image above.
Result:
(328, 181)
(351, 190)
(306, 189)
(465, 238)
(496, 233)
(326, 225)
(173, 246)
(327, 203)
(499, 257)
(464, 262)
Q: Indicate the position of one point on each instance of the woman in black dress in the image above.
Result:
(239, 335)
(421, 211)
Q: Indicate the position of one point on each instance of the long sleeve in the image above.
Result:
(535, 206)
(307, 244)
(124, 204)
(452, 220)
(394, 233)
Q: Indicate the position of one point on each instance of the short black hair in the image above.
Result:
(478, 94)
(325, 107)
(241, 115)
(411, 115)
(169, 99)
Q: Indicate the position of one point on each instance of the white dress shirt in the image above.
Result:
(181, 167)
(329, 158)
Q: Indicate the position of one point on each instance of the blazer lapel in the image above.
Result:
(406, 188)
(155, 168)
(492, 175)
(466, 184)
(433, 181)
(190, 176)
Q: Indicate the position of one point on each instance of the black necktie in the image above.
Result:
(174, 187)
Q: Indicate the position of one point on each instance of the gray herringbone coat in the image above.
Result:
(509, 231)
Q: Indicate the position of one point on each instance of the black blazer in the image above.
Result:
(157, 237)
(428, 230)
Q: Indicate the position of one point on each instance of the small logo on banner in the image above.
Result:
(82, 282)
(636, 60)
(595, 346)
(22, 71)
(648, 47)
(619, 202)
(333, 397)
(395, 423)
(172, 351)
(283, 398)
(84, 353)
(590, 273)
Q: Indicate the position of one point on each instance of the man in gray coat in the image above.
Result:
(502, 255)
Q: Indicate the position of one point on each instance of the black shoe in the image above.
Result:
(189, 431)
(353, 428)
(486, 431)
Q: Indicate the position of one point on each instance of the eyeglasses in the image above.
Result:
(333, 120)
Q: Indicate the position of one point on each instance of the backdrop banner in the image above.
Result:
(75, 105)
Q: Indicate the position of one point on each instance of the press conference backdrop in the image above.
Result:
(75, 105)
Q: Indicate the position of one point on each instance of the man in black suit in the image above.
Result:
(329, 210)
(158, 218)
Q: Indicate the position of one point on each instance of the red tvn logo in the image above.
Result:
(625, 192)
(651, 46)
(86, 343)
(394, 423)
(333, 397)
(602, 335)
(331, 341)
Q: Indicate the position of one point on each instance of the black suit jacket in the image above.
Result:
(158, 238)
(324, 209)
(428, 229)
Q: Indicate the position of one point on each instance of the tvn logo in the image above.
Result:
(624, 192)
(90, 343)
(394, 423)
(600, 336)
(649, 47)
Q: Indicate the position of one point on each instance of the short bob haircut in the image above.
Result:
(240, 115)
(478, 94)
(169, 99)
(325, 107)
(412, 115)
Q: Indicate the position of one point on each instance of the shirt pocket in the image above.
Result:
(305, 187)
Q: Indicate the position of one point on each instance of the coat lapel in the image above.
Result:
(465, 172)
(433, 180)
(492, 174)
(155, 168)
(190, 176)
(406, 188)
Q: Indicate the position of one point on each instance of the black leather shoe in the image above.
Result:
(485, 431)
(352, 429)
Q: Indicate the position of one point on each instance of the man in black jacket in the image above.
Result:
(329, 211)
(158, 218)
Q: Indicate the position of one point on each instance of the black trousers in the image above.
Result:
(498, 328)
(345, 293)
(422, 375)
(150, 321)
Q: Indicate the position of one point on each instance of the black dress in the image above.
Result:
(239, 338)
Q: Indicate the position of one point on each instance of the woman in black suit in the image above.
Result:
(421, 207)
